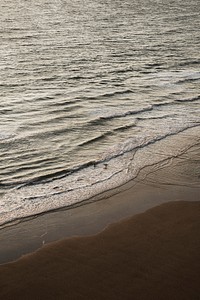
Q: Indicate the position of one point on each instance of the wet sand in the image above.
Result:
(153, 255)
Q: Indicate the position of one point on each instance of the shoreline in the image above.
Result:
(176, 180)
(128, 167)
(152, 255)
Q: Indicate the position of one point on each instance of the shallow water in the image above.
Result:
(88, 83)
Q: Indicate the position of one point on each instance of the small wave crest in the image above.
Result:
(111, 116)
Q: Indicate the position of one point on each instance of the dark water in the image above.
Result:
(90, 81)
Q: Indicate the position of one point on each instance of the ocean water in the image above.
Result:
(92, 92)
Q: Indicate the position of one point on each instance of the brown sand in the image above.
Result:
(153, 255)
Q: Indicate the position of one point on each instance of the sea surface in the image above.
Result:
(91, 92)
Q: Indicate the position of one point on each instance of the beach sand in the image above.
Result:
(153, 255)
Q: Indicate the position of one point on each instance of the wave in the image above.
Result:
(5, 110)
(101, 119)
(124, 127)
(156, 117)
(12, 85)
(188, 63)
(64, 103)
(108, 94)
(47, 177)
(187, 80)
(116, 115)
(193, 99)
(95, 139)
(123, 70)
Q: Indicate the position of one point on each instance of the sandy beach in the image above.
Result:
(153, 255)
